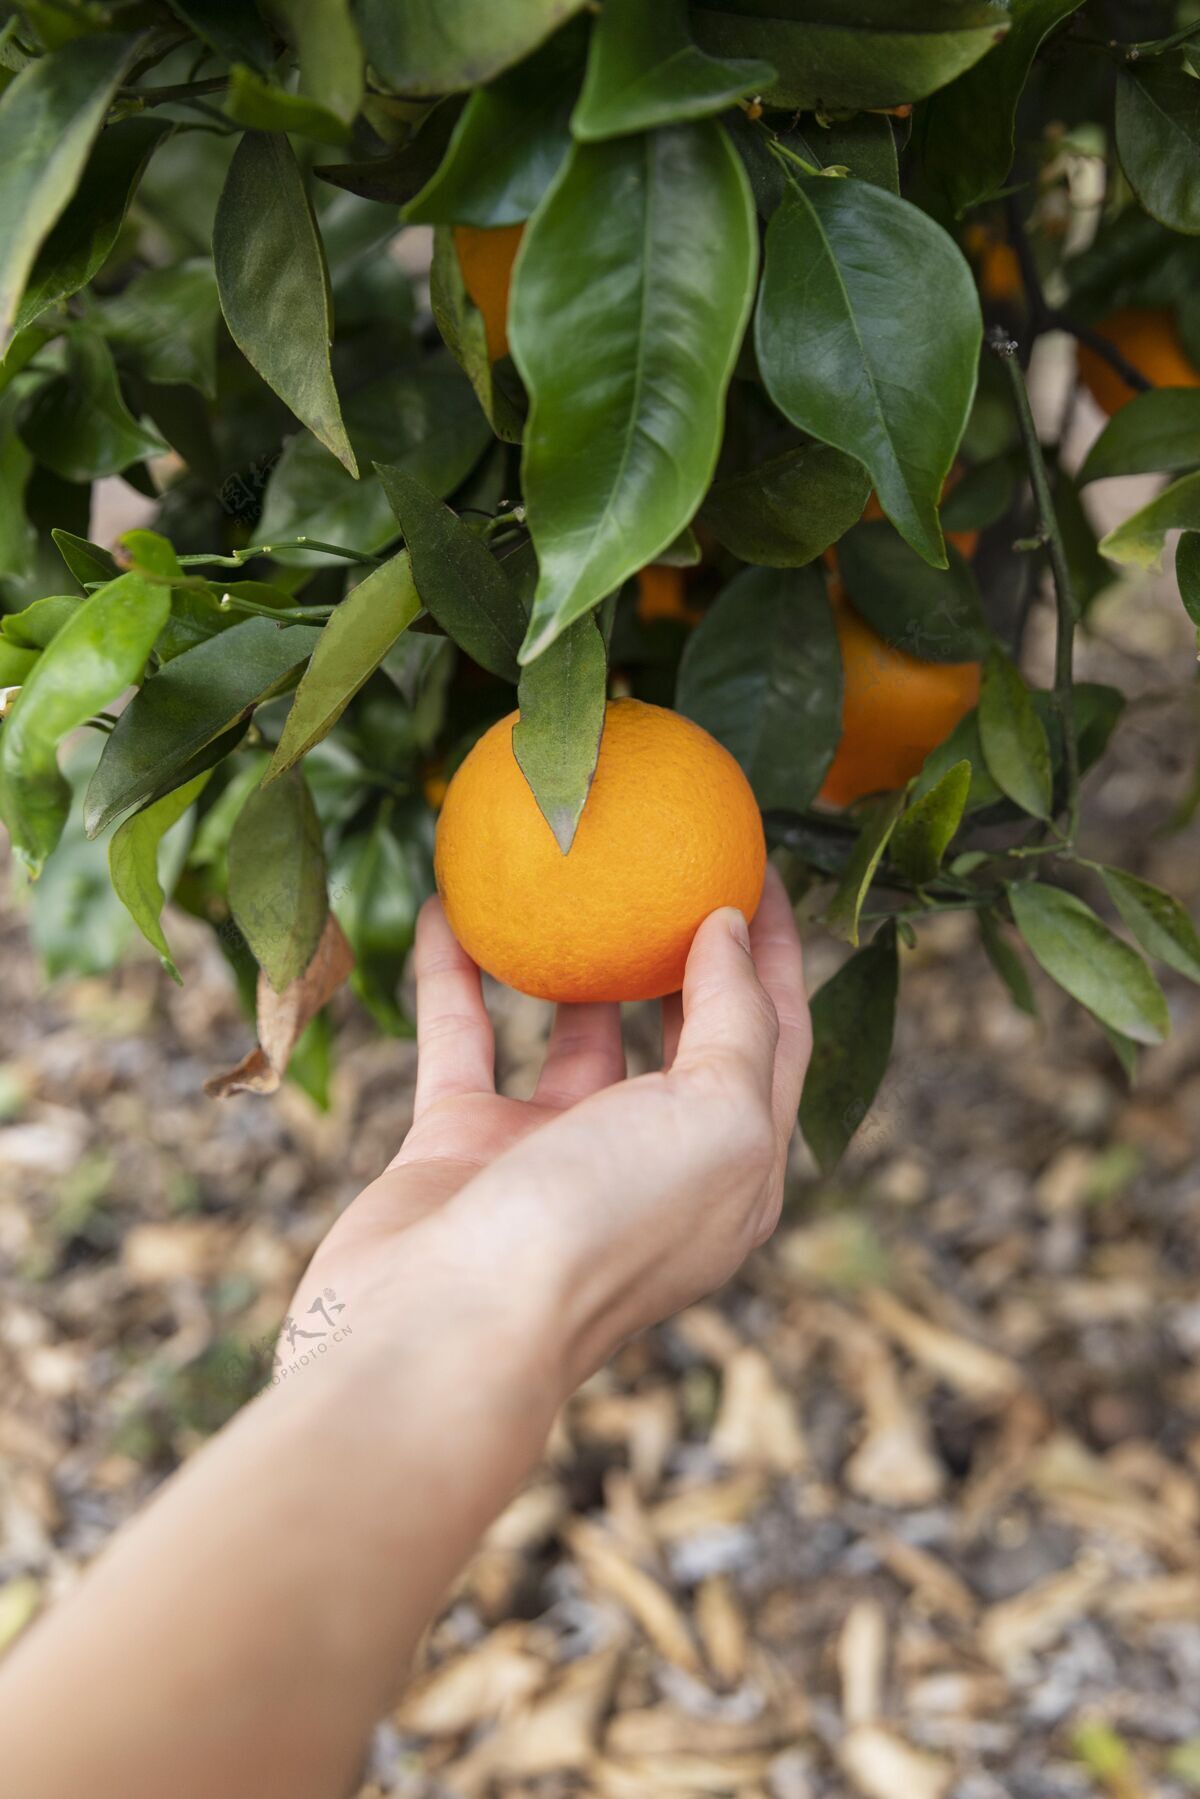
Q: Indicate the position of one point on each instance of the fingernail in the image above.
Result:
(739, 930)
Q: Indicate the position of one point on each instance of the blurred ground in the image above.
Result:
(910, 1511)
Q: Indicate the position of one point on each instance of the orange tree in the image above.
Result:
(740, 292)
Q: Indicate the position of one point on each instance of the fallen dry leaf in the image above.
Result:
(883, 1766)
(607, 1566)
(756, 1425)
(1014, 1628)
(862, 1659)
(968, 1367)
(724, 1632)
(476, 1688)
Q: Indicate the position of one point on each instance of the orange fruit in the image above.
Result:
(486, 259)
(662, 593)
(670, 831)
(997, 265)
(895, 709)
(1146, 336)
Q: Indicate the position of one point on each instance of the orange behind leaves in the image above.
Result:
(486, 259)
(1146, 336)
(662, 593)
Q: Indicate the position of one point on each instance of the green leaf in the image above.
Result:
(15, 663)
(133, 864)
(969, 126)
(80, 243)
(1006, 962)
(331, 57)
(277, 890)
(1158, 139)
(165, 322)
(508, 144)
(934, 614)
(1187, 573)
(36, 626)
(86, 561)
(377, 884)
(629, 301)
(1013, 737)
(460, 582)
(190, 704)
(924, 834)
(79, 424)
(1153, 433)
(236, 33)
(556, 740)
(18, 537)
(445, 46)
(99, 652)
(853, 1018)
(865, 144)
(1084, 957)
(1139, 541)
(349, 650)
(841, 916)
(465, 334)
(981, 497)
(762, 672)
(261, 106)
(644, 70)
(844, 55)
(399, 176)
(1159, 923)
(274, 284)
(851, 359)
(783, 513)
(48, 118)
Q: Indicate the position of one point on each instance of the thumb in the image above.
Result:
(727, 1014)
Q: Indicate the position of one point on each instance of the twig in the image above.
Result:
(239, 558)
(1064, 694)
(1095, 340)
(1044, 317)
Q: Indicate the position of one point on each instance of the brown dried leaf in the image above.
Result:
(701, 1776)
(862, 1659)
(757, 1426)
(930, 1579)
(1036, 1618)
(966, 1366)
(723, 1630)
(661, 1730)
(475, 1688)
(608, 1568)
(695, 1509)
(559, 1730)
(883, 1766)
(282, 1017)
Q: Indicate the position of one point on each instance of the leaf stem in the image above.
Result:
(239, 558)
(1064, 692)
(1156, 46)
(180, 90)
(282, 615)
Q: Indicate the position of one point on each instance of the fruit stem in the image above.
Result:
(1068, 612)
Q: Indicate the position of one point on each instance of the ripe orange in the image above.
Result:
(662, 593)
(670, 832)
(894, 710)
(1146, 336)
(997, 266)
(486, 259)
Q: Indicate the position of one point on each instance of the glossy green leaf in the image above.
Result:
(376, 887)
(465, 335)
(1187, 573)
(1080, 952)
(969, 126)
(1158, 921)
(277, 890)
(1158, 139)
(1006, 962)
(508, 144)
(853, 1018)
(274, 284)
(81, 241)
(133, 864)
(79, 424)
(863, 144)
(842, 914)
(1157, 432)
(629, 301)
(784, 512)
(850, 358)
(18, 537)
(762, 672)
(165, 324)
(645, 70)
(15, 664)
(98, 653)
(1013, 737)
(460, 582)
(925, 832)
(236, 33)
(836, 55)
(981, 496)
(36, 626)
(556, 740)
(260, 105)
(445, 46)
(1139, 541)
(48, 118)
(86, 561)
(934, 614)
(350, 649)
(331, 56)
(400, 174)
(188, 705)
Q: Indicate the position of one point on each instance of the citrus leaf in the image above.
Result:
(464, 333)
(260, 105)
(644, 70)
(86, 561)
(1187, 573)
(763, 673)
(133, 864)
(1013, 737)
(376, 885)
(1157, 432)
(1158, 140)
(79, 424)
(187, 706)
(444, 46)
(235, 33)
(1158, 921)
(1140, 539)
(49, 115)
(349, 650)
(277, 890)
(853, 1018)
(35, 626)
(398, 176)
(924, 834)
(934, 614)
(845, 54)
(15, 663)
(629, 301)
(841, 915)
(556, 740)
(283, 1017)
(850, 359)
(1006, 962)
(783, 513)
(274, 284)
(331, 57)
(1080, 952)
(460, 582)
(165, 322)
(98, 652)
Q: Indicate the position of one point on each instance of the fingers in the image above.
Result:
(728, 1019)
(585, 1054)
(775, 944)
(672, 1024)
(456, 1051)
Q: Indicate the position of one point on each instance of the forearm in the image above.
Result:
(244, 1636)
